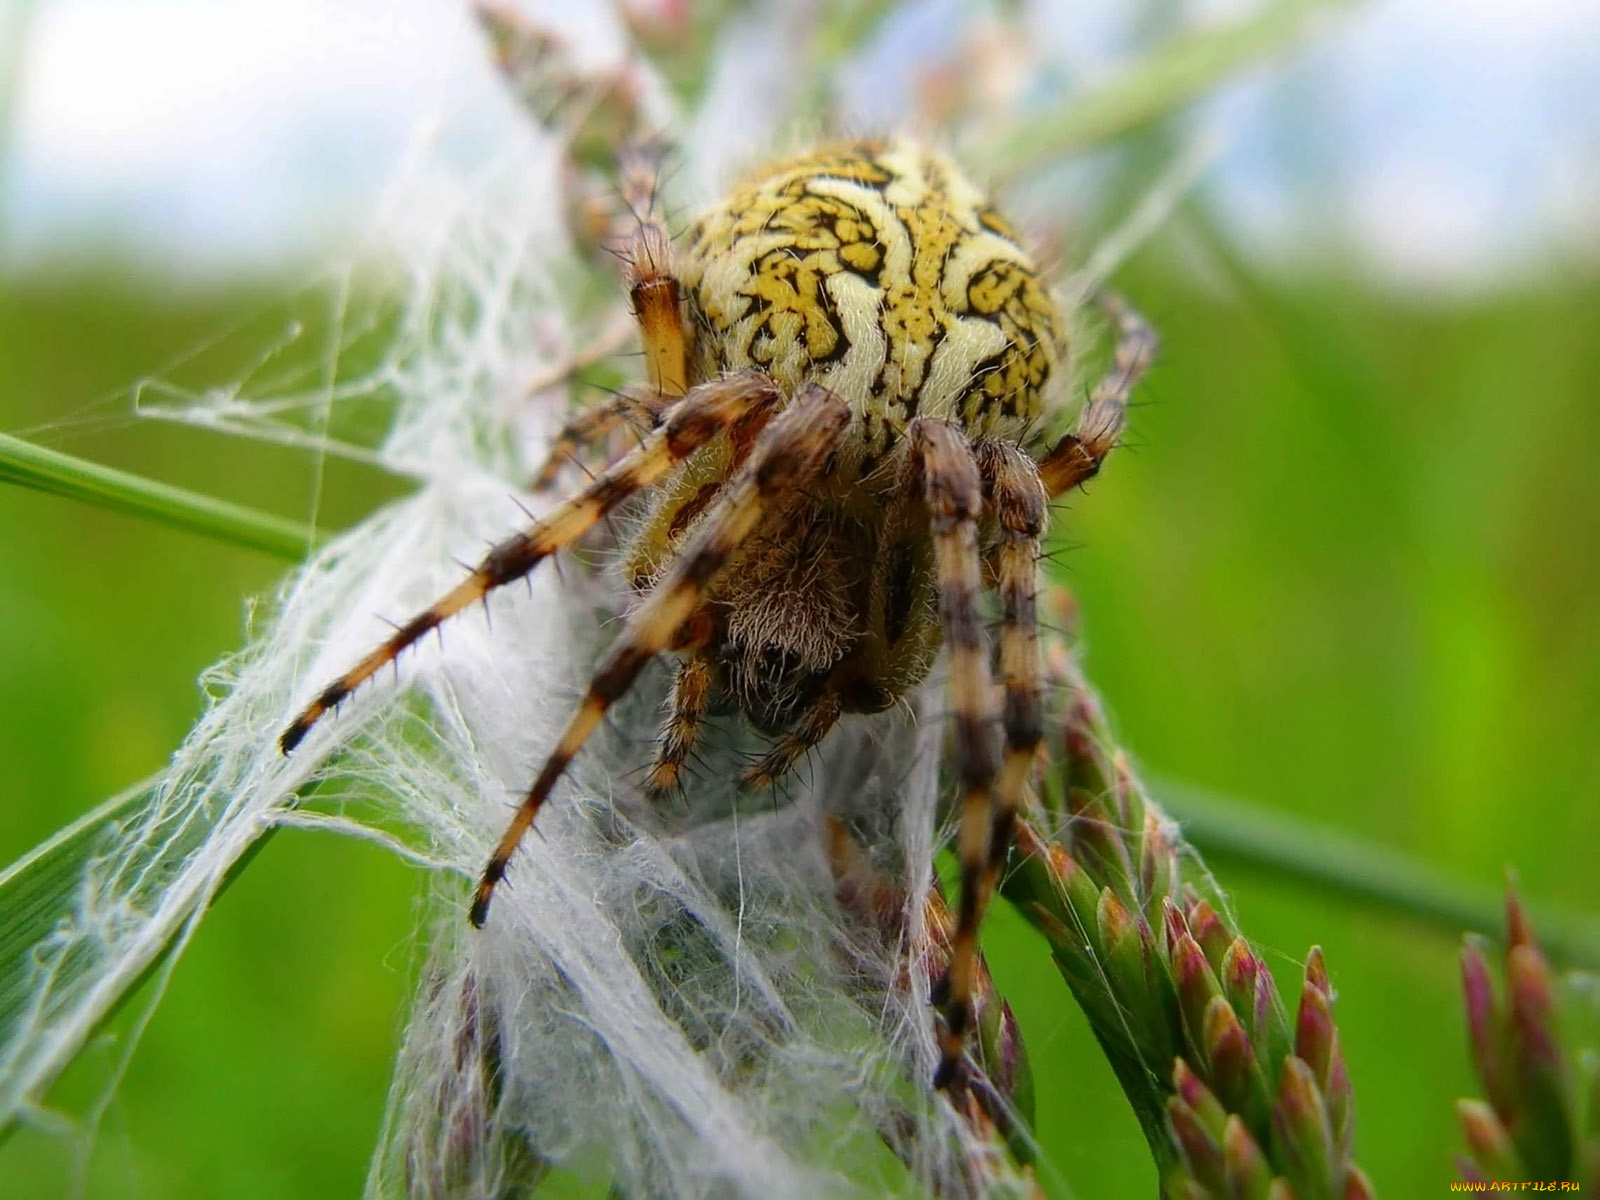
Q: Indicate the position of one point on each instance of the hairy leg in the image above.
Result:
(1015, 496)
(954, 499)
(788, 455)
(653, 289)
(1076, 458)
(641, 409)
(820, 717)
(691, 696)
(724, 404)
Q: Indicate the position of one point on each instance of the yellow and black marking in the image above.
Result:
(881, 272)
(954, 496)
(693, 422)
(791, 451)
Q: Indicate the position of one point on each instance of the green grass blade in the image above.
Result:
(1164, 81)
(65, 475)
(42, 979)
(37, 889)
(1359, 871)
(38, 895)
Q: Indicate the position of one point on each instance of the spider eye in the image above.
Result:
(864, 696)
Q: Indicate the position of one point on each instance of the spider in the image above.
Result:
(849, 358)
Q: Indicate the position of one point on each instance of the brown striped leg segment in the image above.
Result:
(1077, 457)
(642, 409)
(954, 498)
(811, 728)
(647, 271)
(789, 454)
(725, 404)
(1016, 498)
(691, 696)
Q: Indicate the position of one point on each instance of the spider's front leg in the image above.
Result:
(790, 453)
(656, 300)
(746, 399)
(1016, 491)
(691, 698)
(653, 290)
(641, 409)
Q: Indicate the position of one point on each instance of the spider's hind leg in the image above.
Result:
(1077, 457)
(656, 300)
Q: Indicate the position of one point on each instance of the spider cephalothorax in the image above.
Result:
(847, 358)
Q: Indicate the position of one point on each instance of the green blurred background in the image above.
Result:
(1346, 571)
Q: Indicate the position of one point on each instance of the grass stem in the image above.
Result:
(1160, 83)
(1361, 871)
(66, 475)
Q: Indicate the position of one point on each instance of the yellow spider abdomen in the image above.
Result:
(881, 272)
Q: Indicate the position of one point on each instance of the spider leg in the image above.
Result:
(820, 717)
(582, 103)
(724, 404)
(691, 696)
(640, 408)
(954, 497)
(1016, 497)
(1077, 457)
(791, 451)
(647, 271)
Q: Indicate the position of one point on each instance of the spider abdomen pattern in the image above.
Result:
(881, 272)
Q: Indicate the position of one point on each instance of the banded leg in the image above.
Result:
(1076, 458)
(1016, 497)
(691, 696)
(954, 497)
(642, 410)
(814, 724)
(725, 404)
(790, 452)
(647, 272)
